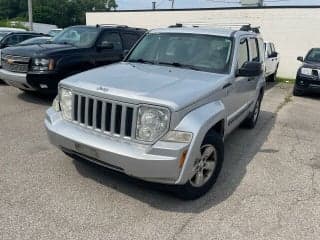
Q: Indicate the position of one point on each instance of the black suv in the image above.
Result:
(76, 49)
(308, 75)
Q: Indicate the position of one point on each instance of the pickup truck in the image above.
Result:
(40, 67)
(308, 74)
(272, 62)
(163, 113)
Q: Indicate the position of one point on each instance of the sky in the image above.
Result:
(147, 4)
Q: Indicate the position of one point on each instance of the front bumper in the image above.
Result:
(307, 83)
(156, 163)
(18, 80)
(42, 82)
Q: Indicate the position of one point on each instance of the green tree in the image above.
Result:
(59, 12)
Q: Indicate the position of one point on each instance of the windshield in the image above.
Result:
(77, 36)
(197, 52)
(313, 55)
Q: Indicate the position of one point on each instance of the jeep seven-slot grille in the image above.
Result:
(15, 63)
(107, 116)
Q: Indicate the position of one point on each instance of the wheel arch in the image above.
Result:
(202, 121)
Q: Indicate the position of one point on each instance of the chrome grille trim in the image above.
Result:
(104, 115)
(15, 63)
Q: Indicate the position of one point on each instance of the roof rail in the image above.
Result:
(112, 25)
(178, 25)
(248, 28)
(236, 26)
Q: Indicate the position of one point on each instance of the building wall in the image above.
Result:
(41, 27)
(293, 30)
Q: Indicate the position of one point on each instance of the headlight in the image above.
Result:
(151, 123)
(306, 71)
(178, 136)
(66, 103)
(42, 64)
(56, 104)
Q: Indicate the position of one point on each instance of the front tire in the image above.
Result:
(205, 170)
(297, 92)
(251, 121)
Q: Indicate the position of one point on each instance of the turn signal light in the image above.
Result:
(183, 158)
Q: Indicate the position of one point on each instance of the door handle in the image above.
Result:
(250, 79)
(227, 85)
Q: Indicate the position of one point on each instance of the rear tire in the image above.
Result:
(206, 170)
(273, 77)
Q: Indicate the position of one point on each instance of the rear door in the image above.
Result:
(107, 56)
(274, 59)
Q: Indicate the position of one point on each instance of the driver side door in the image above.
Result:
(237, 92)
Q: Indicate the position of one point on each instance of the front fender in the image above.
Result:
(199, 122)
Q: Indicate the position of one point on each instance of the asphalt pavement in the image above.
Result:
(269, 187)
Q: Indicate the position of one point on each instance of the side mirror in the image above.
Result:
(273, 55)
(250, 69)
(105, 45)
(3, 45)
(300, 59)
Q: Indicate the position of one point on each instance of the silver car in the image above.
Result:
(163, 113)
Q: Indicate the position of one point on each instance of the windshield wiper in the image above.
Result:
(180, 65)
(140, 60)
(64, 43)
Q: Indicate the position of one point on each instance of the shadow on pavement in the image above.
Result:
(240, 148)
(36, 98)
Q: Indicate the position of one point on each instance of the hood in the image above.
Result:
(314, 65)
(139, 83)
(38, 50)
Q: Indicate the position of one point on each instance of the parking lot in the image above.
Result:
(269, 187)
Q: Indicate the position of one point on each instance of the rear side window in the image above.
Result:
(272, 47)
(254, 48)
(129, 40)
(27, 36)
(111, 37)
(269, 50)
(243, 55)
(13, 40)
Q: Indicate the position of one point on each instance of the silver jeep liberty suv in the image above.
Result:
(163, 113)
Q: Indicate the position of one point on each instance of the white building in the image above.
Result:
(294, 30)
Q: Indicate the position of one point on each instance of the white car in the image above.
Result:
(272, 61)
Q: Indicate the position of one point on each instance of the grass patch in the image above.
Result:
(287, 99)
(285, 80)
(12, 24)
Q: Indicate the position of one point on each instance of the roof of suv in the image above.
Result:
(26, 32)
(113, 26)
(224, 32)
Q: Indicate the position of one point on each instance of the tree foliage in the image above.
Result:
(59, 12)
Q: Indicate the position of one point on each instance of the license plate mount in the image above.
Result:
(85, 150)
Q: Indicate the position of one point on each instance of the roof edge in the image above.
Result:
(211, 9)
